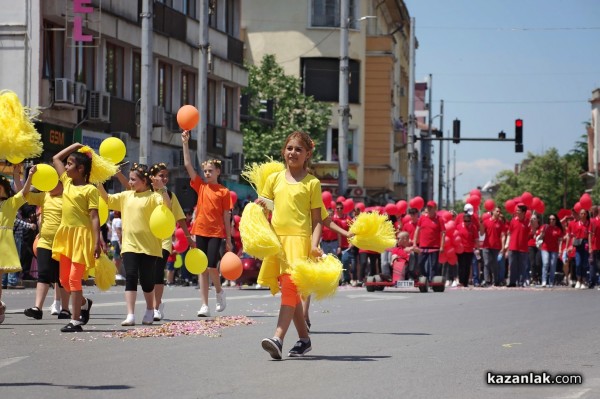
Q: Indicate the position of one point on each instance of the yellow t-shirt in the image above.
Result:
(167, 243)
(51, 216)
(77, 202)
(136, 209)
(293, 203)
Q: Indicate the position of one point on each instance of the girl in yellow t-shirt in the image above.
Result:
(77, 241)
(9, 205)
(141, 250)
(212, 224)
(160, 172)
(297, 222)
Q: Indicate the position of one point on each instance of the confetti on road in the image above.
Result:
(208, 328)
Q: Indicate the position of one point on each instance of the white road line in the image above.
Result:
(376, 297)
(11, 360)
(173, 300)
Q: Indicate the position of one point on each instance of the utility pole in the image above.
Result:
(454, 182)
(441, 162)
(410, 184)
(146, 80)
(448, 172)
(344, 108)
(429, 133)
(202, 82)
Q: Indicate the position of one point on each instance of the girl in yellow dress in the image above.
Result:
(297, 222)
(9, 205)
(77, 241)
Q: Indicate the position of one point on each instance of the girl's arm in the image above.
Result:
(17, 177)
(122, 179)
(330, 224)
(96, 232)
(187, 162)
(102, 192)
(227, 221)
(57, 160)
(317, 227)
(27, 185)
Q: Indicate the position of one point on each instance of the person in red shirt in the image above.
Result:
(401, 254)
(494, 230)
(551, 236)
(518, 235)
(579, 232)
(411, 226)
(469, 236)
(346, 252)
(329, 238)
(429, 236)
(534, 269)
(594, 241)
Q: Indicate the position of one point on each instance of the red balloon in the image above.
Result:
(236, 219)
(577, 207)
(340, 199)
(510, 206)
(459, 248)
(406, 219)
(180, 246)
(527, 198)
(327, 197)
(360, 206)
(442, 258)
(475, 201)
(402, 207)
(452, 258)
(446, 216)
(391, 209)
(475, 192)
(517, 200)
(535, 204)
(541, 207)
(331, 205)
(586, 201)
(486, 216)
(233, 196)
(450, 226)
(417, 202)
(489, 205)
(348, 205)
(179, 234)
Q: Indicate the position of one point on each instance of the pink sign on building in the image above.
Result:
(80, 8)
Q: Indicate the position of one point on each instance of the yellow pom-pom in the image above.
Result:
(104, 273)
(102, 168)
(257, 174)
(319, 278)
(373, 232)
(18, 137)
(258, 237)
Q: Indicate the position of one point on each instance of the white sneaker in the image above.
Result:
(225, 283)
(447, 283)
(55, 308)
(578, 285)
(129, 320)
(544, 285)
(258, 286)
(159, 313)
(119, 277)
(148, 317)
(455, 283)
(232, 283)
(221, 301)
(204, 311)
(583, 287)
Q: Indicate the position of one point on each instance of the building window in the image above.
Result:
(231, 18)
(114, 70)
(85, 65)
(321, 76)
(211, 102)
(329, 148)
(228, 107)
(213, 14)
(189, 8)
(165, 73)
(188, 88)
(54, 51)
(136, 74)
(326, 13)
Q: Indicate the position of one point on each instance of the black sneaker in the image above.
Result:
(69, 328)
(34, 312)
(300, 349)
(65, 314)
(273, 347)
(85, 313)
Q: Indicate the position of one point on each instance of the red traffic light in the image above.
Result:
(519, 123)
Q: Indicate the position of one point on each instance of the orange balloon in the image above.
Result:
(188, 117)
(231, 266)
(35, 243)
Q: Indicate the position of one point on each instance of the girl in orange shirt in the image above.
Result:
(212, 224)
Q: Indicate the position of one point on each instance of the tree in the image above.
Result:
(292, 111)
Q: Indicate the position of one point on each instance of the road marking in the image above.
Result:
(376, 297)
(11, 360)
(511, 345)
(580, 393)
(189, 299)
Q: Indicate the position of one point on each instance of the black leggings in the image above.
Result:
(211, 246)
(159, 276)
(47, 267)
(139, 267)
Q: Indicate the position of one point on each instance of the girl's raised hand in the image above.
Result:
(185, 136)
(157, 182)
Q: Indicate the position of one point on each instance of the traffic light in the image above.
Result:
(456, 131)
(519, 135)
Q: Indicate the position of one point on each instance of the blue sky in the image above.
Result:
(494, 61)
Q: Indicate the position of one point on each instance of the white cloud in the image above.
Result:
(476, 173)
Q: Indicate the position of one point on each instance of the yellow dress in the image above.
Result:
(51, 216)
(167, 243)
(74, 237)
(9, 261)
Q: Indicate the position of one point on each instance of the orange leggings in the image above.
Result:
(289, 291)
(71, 274)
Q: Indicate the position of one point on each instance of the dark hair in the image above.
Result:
(141, 171)
(83, 159)
(305, 139)
(413, 211)
(558, 223)
(4, 182)
(157, 168)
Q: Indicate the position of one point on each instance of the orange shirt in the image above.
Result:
(213, 200)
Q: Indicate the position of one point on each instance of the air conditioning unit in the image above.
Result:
(99, 106)
(226, 167)
(237, 162)
(158, 116)
(80, 94)
(357, 192)
(64, 91)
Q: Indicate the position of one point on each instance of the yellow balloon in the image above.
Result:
(113, 149)
(15, 160)
(162, 222)
(45, 178)
(178, 261)
(102, 211)
(196, 261)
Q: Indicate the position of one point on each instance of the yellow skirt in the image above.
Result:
(295, 248)
(76, 243)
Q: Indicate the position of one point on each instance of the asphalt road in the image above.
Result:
(389, 344)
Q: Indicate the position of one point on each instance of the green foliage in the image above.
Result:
(548, 176)
(292, 111)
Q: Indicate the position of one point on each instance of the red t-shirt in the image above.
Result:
(430, 231)
(579, 229)
(343, 222)
(468, 235)
(595, 229)
(410, 228)
(493, 233)
(532, 236)
(328, 235)
(552, 235)
(519, 234)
